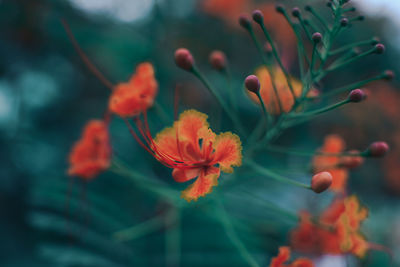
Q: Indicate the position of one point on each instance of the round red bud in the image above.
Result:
(252, 84)
(388, 75)
(379, 49)
(321, 182)
(258, 16)
(378, 149)
(184, 59)
(218, 60)
(344, 22)
(357, 95)
(296, 12)
(317, 37)
(244, 21)
(280, 9)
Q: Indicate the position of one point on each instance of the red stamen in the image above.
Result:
(85, 58)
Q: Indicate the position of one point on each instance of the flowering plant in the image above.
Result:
(215, 165)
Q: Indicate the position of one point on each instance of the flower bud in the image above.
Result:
(296, 12)
(184, 59)
(252, 84)
(258, 16)
(317, 37)
(379, 49)
(351, 162)
(267, 47)
(244, 21)
(218, 60)
(321, 181)
(388, 75)
(378, 149)
(344, 22)
(280, 9)
(356, 96)
(307, 8)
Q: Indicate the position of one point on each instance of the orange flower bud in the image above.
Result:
(321, 181)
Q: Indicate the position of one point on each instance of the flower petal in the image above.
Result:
(167, 143)
(203, 185)
(283, 256)
(92, 153)
(137, 95)
(228, 151)
(189, 124)
(184, 175)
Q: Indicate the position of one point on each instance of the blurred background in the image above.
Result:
(47, 94)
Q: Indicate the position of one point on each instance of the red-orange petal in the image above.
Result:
(228, 151)
(283, 256)
(137, 95)
(302, 262)
(184, 175)
(189, 124)
(203, 185)
(92, 153)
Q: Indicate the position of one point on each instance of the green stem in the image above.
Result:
(228, 77)
(153, 186)
(172, 238)
(349, 87)
(319, 18)
(263, 171)
(278, 59)
(335, 65)
(268, 66)
(140, 230)
(349, 46)
(224, 106)
(319, 111)
(311, 154)
(233, 236)
(272, 206)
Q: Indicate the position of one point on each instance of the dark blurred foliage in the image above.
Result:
(47, 95)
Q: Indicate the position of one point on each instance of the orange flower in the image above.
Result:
(284, 256)
(193, 150)
(336, 231)
(332, 144)
(91, 154)
(135, 96)
(268, 93)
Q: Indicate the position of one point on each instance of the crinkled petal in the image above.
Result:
(283, 256)
(203, 185)
(228, 151)
(189, 124)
